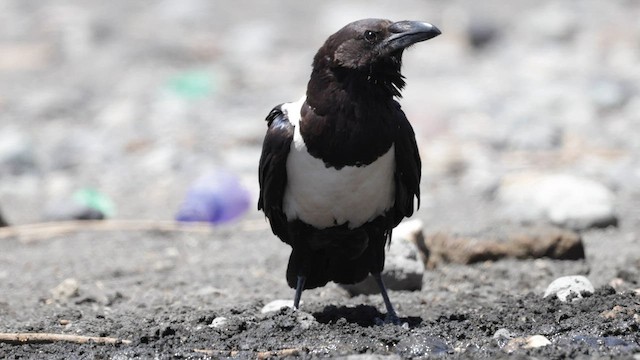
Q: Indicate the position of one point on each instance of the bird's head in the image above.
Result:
(373, 47)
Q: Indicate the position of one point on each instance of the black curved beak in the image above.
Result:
(407, 33)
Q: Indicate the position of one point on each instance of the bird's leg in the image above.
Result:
(391, 317)
(299, 288)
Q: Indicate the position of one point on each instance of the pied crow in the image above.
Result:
(340, 167)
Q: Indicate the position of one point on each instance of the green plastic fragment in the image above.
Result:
(96, 200)
(192, 84)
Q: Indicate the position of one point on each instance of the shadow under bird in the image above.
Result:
(340, 167)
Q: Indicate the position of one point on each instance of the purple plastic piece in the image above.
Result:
(215, 197)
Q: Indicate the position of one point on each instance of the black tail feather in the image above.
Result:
(345, 257)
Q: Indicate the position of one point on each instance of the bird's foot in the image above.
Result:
(392, 317)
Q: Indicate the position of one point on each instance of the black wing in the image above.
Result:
(273, 170)
(408, 169)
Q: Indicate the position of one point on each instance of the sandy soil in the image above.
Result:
(162, 289)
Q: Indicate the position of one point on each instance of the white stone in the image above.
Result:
(536, 341)
(276, 305)
(66, 289)
(564, 200)
(529, 342)
(219, 322)
(564, 286)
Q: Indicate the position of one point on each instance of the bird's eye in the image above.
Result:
(370, 36)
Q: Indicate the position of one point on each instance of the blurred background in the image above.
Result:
(129, 102)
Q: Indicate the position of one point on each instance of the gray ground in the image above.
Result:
(88, 98)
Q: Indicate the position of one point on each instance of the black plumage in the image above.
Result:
(351, 125)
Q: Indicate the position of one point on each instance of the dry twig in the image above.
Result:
(44, 338)
(40, 231)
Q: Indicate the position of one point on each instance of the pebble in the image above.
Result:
(276, 305)
(565, 286)
(536, 341)
(615, 312)
(403, 268)
(219, 322)
(564, 200)
(530, 342)
(16, 152)
(67, 289)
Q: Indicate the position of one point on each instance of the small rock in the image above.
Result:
(564, 286)
(65, 290)
(565, 200)
(276, 305)
(404, 267)
(615, 312)
(219, 322)
(536, 341)
(520, 243)
(530, 342)
(16, 152)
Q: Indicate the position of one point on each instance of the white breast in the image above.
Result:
(325, 197)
